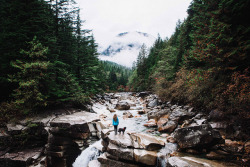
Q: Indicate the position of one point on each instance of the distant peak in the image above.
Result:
(122, 34)
(134, 32)
(142, 33)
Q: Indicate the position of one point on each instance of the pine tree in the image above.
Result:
(30, 76)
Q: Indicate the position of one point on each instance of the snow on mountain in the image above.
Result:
(125, 47)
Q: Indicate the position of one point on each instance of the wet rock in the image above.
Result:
(141, 112)
(233, 146)
(21, 158)
(143, 94)
(104, 160)
(75, 122)
(145, 157)
(192, 151)
(219, 125)
(105, 133)
(171, 139)
(150, 131)
(156, 114)
(146, 142)
(15, 129)
(179, 115)
(197, 136)
(247, 147)
(61, 150)
(168, 127)
(121, 153)
(123, 141)
(162, 121)
(150, 123)
(153, 103)
(181, 162)
(164, 135)
(62, 132)
(200, 121)
(215, 156)
(122, 106)
(128, 114)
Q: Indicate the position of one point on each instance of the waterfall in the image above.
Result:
(87, 155)
(164, 154)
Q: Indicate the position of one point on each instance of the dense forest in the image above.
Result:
(116, 76)
(205, 62)
(47, 59)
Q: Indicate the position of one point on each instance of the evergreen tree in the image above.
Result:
(30, 76)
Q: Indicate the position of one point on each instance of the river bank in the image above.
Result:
(167, 134)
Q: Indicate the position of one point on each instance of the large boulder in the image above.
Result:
(106, 160)
(123, 141)
(21, 159)
(153, 103)
(183, 162)
(121, 153)
(197, 137)
(150, 123)
(145, 157)
(169, 126)
(157, 114)
(143, 94)
(146, 142)
(122, 105)
(179, 115)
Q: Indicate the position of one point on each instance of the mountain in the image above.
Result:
(125, 47)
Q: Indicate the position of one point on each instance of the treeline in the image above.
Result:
(46, 58)
(116, 76)
(205, 63)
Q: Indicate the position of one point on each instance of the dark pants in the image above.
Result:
(115, 128)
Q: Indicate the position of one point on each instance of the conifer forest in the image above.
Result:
(197, 78)
(49, 59)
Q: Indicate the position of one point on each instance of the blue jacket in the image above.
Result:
(116, 122)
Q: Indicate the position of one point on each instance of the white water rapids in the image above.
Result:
(89, 154)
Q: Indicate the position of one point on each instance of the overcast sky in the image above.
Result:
(108, 18)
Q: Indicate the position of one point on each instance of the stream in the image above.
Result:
(134, 124)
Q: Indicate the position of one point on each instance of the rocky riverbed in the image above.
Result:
(158, 134)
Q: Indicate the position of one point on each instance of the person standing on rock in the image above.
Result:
(115, 123)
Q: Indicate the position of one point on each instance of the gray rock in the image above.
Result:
(145, 157)
(197, 136)
(123, 141)
(121, 153)
(180, 115)
(181, 162)
(143, 94)
(146, 142)
(153, 103)
(21, 158)
(156, 114)
(107, 162)
(122, 106)
(168, 127)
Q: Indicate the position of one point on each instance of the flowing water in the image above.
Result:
(134, 124)
(89, 154)
(163, 154)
